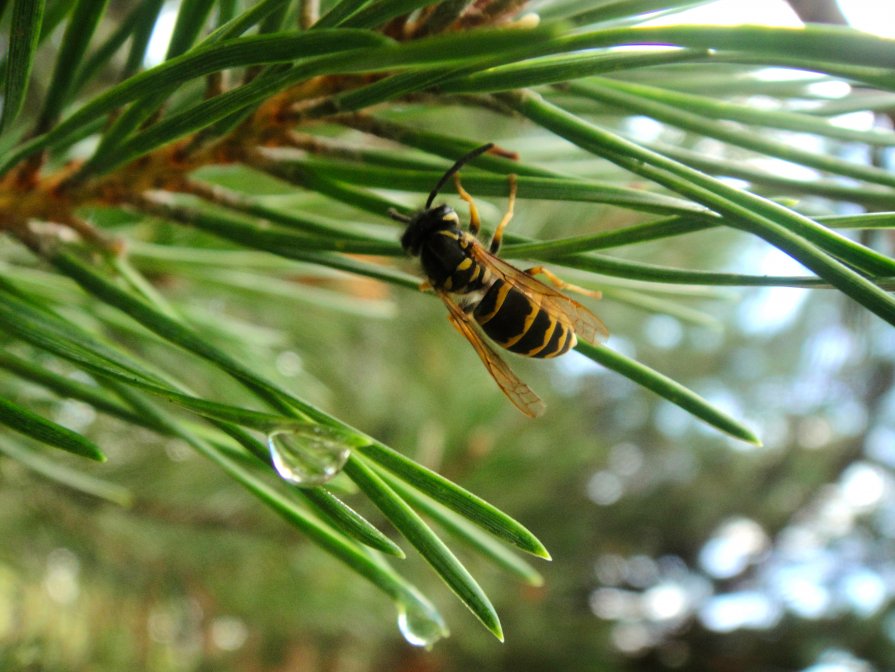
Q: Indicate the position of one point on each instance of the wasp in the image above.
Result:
(484, 293)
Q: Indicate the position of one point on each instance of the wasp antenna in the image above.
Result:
(453, 169)
(394, 214)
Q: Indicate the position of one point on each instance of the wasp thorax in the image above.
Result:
(426, 223)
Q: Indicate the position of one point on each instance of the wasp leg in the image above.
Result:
(559, 283)
(426, 286)
(498, 232)
(474, 222)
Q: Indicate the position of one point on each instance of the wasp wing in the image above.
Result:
(522, 396)
(586, 325)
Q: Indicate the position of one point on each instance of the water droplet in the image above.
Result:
(309, 455)
(421, 624)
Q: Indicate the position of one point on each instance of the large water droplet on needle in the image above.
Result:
(420, 624)
(308, 455)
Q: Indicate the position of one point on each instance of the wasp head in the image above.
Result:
(424, 224)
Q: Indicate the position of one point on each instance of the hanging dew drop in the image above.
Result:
(420, 625)
(308, 455)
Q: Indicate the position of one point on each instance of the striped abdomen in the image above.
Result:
(518, 323)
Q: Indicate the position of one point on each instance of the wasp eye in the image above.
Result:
(410, 241)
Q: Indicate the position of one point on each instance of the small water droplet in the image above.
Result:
(420, 624)
(308, 455)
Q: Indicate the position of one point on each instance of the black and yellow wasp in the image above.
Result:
(515, 310)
